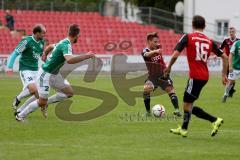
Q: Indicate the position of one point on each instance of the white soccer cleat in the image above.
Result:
(20, 119)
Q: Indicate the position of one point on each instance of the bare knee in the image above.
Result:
(187, 106)
(68, 91)
(33, 89)
(169, 89)
(42, 102)
(147, 89)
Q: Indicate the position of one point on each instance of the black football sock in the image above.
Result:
(146, 97)
(200, 113)
(174, 100)
(232, 89)
(186, 119)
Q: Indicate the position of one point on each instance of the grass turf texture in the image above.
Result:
(112, 137)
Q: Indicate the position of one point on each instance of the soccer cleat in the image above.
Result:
(231, 93)
(216, 126)
(44, 111)
(179, 131)
(20, 119)
(148, 114)
(177, 113)
(15, 113)
(15, 103)
(224, 99)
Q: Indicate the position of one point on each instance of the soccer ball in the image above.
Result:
(158, 110)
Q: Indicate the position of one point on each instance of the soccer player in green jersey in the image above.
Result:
(30, 49)
(49, 75)
(234, 68)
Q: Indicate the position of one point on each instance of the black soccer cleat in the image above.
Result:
(15, 103)
(177, 113)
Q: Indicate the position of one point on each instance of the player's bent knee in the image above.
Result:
(147, 89)
(169, 89)
(32, 89)
(42, 102)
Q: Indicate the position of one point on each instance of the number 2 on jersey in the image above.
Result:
(201, 51)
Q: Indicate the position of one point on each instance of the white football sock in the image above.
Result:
(29, 109)
(227, 89)
(59, 96)
(27, 102)
(23, 94)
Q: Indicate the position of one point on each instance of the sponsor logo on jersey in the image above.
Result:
(156, 58)
(36, 55)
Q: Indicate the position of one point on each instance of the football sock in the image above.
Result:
(27, 102)
(227, 89)
(23, 94)
(174, 100)
(29, 109)
(186, 119)
(200, 113)
(146, 97)
(59, 96)
(232, 89)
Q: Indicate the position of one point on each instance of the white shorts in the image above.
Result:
(235, 74)
(45, 81)
(28, 77)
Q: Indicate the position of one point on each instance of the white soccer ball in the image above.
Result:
(158, 110)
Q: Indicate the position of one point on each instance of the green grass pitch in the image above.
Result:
(113, 136)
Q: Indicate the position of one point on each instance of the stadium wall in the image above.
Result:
(136, 61)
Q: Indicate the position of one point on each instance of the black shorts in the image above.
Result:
(161, 82)
(193, 90)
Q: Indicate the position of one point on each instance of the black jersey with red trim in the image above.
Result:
(155, 64)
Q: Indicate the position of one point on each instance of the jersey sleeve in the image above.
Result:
(67, 49)
(233, 48)
(222, 46)
(182, 43)
(12, 59)
(21, 46)
(217, 50)
(144, 52)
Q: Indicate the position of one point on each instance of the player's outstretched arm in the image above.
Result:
(12, 59)
(153, 53)
(71, 59)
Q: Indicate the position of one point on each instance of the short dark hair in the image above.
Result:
(73, 30)
(152, 35)
(198, 22)
(37, 29)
